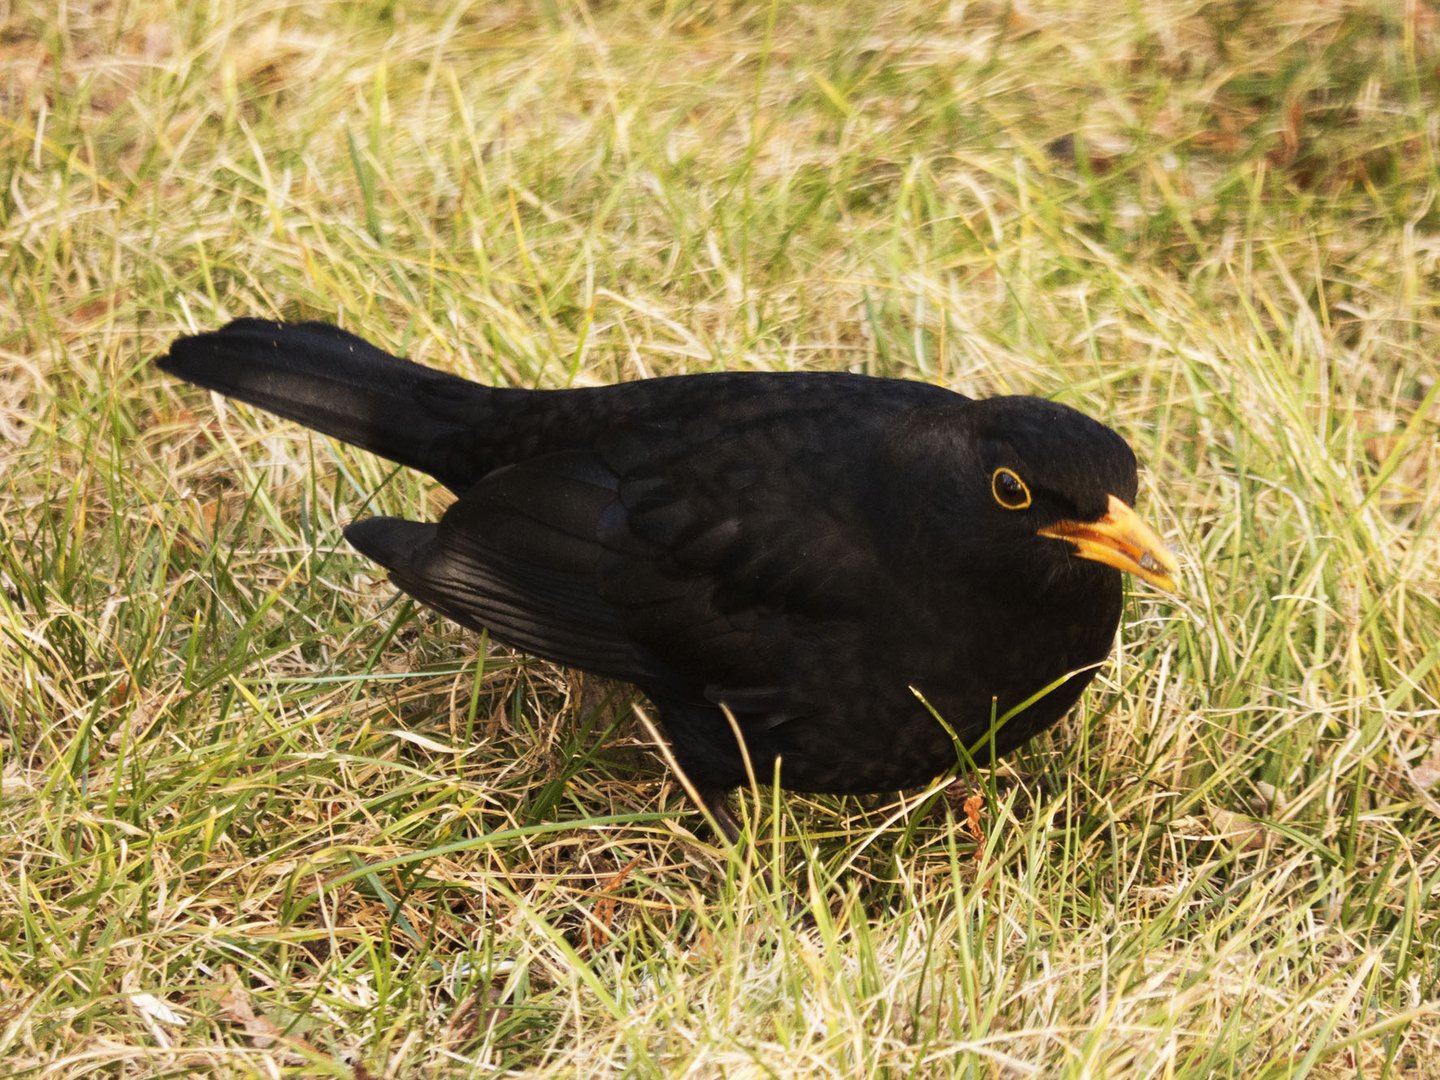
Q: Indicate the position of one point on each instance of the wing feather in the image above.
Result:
(639, 565)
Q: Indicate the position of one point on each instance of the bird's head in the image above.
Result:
(1057, 475)
(1035, 492)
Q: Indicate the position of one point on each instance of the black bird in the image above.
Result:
(814, 553)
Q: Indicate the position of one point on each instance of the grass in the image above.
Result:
(259, 818)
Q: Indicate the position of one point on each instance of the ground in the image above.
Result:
(258, 817)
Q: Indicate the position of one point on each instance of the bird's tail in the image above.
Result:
(341, 385)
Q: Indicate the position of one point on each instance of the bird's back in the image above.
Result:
(458, 431)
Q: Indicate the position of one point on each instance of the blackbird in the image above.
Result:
(835, 560)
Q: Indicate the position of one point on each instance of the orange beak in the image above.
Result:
(1120, 539)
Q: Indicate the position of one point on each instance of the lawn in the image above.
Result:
(261, 817)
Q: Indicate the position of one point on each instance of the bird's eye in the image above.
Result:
(1009, 490)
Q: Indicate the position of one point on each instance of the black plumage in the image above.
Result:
(808, 551)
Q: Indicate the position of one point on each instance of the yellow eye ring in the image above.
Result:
(1008, 489)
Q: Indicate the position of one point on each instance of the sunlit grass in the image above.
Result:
(258, 816)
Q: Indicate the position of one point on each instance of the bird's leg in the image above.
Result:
(692, 748)
(716, 801)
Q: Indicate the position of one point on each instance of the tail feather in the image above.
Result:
(340, 385)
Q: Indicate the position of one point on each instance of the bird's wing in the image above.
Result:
(518, 555)
(696, 568)
(734, 549)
